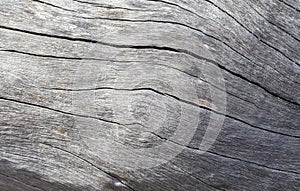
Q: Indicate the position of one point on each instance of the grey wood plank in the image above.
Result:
(149, 95)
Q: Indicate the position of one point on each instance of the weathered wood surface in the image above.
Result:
(82, 78)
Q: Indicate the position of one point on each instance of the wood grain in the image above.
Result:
(88, 87)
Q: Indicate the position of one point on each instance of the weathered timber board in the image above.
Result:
(80, 78)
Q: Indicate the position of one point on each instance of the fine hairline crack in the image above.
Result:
(124, 61)
(163, 48)
(161, 137)
(144, 89)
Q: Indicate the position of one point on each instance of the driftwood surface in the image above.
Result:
(88, 87)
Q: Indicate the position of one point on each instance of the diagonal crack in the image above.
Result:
(225, 156)
(52, 5)
(183, 101)
(63, 57)
(180, 7)
(163, 138)
(191, 175)
(164, 48)
(111, 175)
(226, 44)
(190, 27)
(243, 26)
(108, 6)
(144, 89)
(260, 14)
(128, 61)
(59, 111)
(289, 5)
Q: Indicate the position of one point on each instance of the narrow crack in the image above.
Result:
(189, 27)
(151, 90)
(191, 175)
(111, 175)
(64, 57)
(259, 39)
(41, 55)
(59, 111)
(163, 48)
(180, 7)
(50, 35)
(109, 6)
(260, 14)
(289, 5)
(165, 139)
(163, 94)
(128, 61)
(52, 5)
(186, 73)
(226, 44)
(225, 156)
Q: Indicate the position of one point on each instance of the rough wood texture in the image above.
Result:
(90, 88)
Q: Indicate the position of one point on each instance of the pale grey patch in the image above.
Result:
(113, 142)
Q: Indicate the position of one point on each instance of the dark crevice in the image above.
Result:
(289, 5)
(251, 162)
(109, 174)
(185, 9)
(59, 111)
(174, 23)
(178, 99)
(211, 152)
(239, 75)
(52, 5)
(227, 157)
(186, 73)
(176, 5)
(50, 35)
(64, 57)
(259, 39)
(42, 55)
(126, 61)
(108, 6)
(155, 48)
(165, 139)
(97, 59)
(235, 118)
(86, 2)
(221, 40)
(192, 176)
(204, 80)
(152, 47)
(260, 14)
(145, 89)
(190, 27)
(215, 86)
(91, 41)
